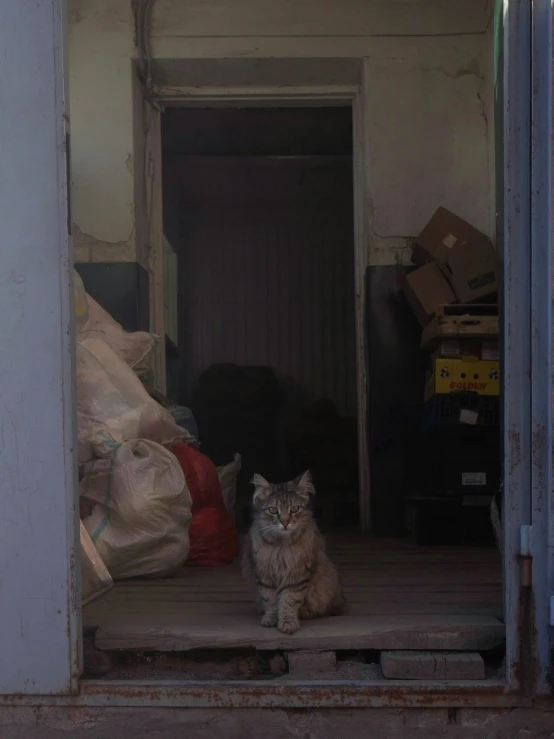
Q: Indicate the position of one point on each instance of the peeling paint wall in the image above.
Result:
(101, 119)
(428, 139)
(428, 71)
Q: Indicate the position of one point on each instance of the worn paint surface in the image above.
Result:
(428, 71)
(513, 52)
(420, 723)
(39, 573)
(100, 46)
(542, 540)
(285, 694)
(147, 145)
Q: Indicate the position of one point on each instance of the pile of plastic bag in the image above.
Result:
(135, 503)
(138, 466)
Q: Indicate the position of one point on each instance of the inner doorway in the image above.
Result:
(258, 207)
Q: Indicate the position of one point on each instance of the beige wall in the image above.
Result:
(428, 139)
(427, 81)
(101, 121)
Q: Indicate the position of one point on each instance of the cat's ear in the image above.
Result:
(262, 489)
(304, 485)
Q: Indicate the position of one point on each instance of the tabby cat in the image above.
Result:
(285, 555)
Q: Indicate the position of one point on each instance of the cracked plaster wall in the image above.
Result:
(429, 140)
(100, 47)
(428, 86)
(428, 70)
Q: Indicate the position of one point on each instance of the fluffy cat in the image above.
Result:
(285, 555)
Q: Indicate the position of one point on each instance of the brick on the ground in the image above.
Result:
(305, 663)
(432, 665)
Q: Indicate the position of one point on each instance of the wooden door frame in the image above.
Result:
(147, 147)
(354, 96)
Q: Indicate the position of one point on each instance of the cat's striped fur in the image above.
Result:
(285, 555)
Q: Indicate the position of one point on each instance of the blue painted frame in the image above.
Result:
(40, 601)
(542, 522)
(524, 229)
(513, 232)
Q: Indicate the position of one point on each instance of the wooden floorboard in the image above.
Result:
(399, 597)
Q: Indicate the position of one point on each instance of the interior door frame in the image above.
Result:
(354, 96)
(147, 149)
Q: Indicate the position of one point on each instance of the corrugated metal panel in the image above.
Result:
(268, 270)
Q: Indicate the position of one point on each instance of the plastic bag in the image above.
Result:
(135, 348)
(139, 509)
(184, 417)
(113, 406)
(213, 538)
(228, 475)
(80, 302)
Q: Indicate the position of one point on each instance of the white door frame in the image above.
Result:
(353, 95)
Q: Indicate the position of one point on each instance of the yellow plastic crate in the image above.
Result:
(466, 375)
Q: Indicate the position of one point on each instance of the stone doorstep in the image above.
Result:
(307, 662)
(432, 665)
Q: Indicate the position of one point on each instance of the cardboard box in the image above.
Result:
(465, 255)
(458, 348)
(426, 289)
(467, 375)
(472, 271)
(453, 323)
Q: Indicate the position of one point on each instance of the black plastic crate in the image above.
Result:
(442, 454)
(442, 522)
(445, 409)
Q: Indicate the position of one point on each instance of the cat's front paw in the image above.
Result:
(289, 625)
(269, 620)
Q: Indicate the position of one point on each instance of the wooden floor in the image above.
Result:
(400, 597)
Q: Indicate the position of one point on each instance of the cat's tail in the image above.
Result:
(338, 606)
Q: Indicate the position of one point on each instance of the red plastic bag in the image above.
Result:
(212, 533)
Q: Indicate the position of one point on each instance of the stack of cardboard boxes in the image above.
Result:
(453, 293)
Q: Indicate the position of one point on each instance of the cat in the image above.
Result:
(285, 555)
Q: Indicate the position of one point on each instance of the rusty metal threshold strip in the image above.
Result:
(281, 694)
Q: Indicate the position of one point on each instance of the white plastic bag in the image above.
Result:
(113, 405)
(228, 475)
(139, 510)
(135, 348)
(80, 302)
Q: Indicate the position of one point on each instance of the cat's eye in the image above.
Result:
(274, 511)
(295, 509)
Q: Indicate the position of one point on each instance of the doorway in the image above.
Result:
(258, 208)
(397, 590)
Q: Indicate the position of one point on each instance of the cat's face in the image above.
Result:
(283, 509)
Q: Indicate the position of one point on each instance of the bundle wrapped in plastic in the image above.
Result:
(136, 348)
(137, 508)
(213, 537)
(113, 405)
